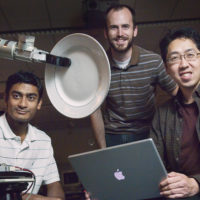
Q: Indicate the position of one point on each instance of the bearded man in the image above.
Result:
(135, 73)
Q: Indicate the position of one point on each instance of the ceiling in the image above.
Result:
(51, 20)
(33, 15)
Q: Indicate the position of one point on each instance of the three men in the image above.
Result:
(176, 125)
(22, 144)
(135, 72)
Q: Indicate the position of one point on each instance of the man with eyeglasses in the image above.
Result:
(176, 125)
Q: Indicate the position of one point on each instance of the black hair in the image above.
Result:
(117, 7)
(188, 33)
(23, 77)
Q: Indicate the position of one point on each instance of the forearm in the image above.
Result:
(54, 192)
(39, 197)
(98, 128)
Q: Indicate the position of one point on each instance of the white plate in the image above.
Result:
(79, 90)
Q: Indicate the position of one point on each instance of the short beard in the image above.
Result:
(130, 44)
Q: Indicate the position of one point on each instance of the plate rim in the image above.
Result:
(55, 99)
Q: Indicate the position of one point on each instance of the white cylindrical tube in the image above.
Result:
(7, 49)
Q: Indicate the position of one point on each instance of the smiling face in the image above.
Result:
(185, 73)
(22, 102)
(120, 30)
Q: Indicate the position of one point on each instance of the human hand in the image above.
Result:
(178, 185)
(87, 195)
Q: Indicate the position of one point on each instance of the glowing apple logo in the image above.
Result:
(118, 175)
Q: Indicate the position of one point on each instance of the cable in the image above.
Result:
(31, 185)
(9, 168)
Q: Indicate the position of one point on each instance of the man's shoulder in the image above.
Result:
(3, 126)
(39, 133)
(146, 52)
(1, 117)
(168, 105)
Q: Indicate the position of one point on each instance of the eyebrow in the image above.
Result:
(117, 25)
(27, 94)
(176, 52)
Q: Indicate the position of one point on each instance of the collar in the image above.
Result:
(8, 133)
(196, 95)
(134, 57)
(197, 91)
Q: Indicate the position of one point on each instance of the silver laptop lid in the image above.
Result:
(129, 171)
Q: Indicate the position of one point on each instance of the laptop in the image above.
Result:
(128, 171)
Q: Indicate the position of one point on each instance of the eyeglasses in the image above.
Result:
(188, 56)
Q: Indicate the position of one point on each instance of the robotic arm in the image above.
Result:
(24, 50)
